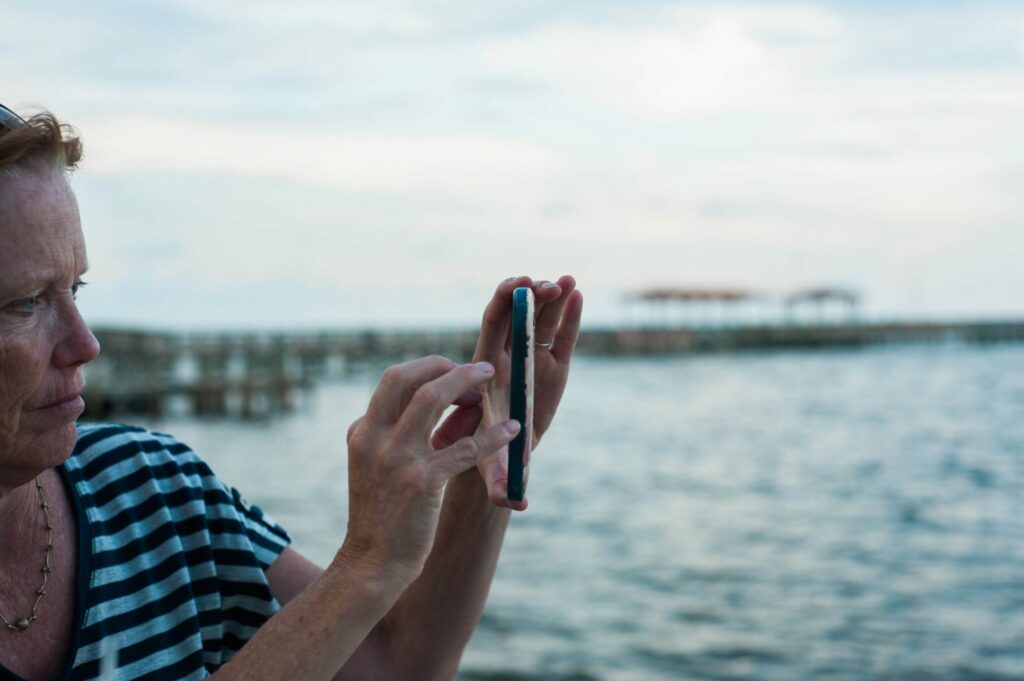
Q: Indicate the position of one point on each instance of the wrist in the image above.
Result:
(467, 501)
(377, 574)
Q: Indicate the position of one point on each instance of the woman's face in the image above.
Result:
(43, 340)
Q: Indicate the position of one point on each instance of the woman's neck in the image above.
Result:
(19, 518)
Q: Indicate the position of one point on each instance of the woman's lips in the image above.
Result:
(71, 403)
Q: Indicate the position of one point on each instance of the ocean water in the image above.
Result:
(802, 515)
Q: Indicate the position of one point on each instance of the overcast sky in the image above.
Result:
(282, 163)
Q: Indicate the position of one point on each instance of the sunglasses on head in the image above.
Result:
(9, 119)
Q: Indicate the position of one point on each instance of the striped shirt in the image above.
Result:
(172, 562)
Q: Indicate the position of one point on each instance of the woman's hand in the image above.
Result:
(397, 476)
(559, 307)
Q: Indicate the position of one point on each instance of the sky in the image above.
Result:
(274, 164)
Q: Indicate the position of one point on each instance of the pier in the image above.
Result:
(252, 375)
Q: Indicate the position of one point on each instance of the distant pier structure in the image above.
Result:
(255, 375)
(721, 319)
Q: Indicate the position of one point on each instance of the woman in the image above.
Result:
(115, 538)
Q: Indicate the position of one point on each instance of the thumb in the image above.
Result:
(471, 450)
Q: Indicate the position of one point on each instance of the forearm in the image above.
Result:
(434, 619)
(320, 629)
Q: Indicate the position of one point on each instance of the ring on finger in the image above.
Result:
(543, 345)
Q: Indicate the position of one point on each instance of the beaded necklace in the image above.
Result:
(22, 623)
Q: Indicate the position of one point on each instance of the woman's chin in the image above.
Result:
(48, 448)
(63, 444)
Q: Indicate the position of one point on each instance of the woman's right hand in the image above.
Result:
(396, 478)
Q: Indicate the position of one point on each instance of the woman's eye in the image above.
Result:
(27, 305)
(31, 305)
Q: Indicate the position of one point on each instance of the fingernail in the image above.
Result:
(549, 284)
(511, 426)
(484, 367)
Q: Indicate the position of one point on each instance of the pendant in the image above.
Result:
(22, 623)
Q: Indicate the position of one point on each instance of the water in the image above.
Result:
(833, 515)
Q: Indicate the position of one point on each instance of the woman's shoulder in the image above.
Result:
(98, 439)
(105, 451)
(130, 476)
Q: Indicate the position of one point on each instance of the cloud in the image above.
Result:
(690, 61)
(465, 167)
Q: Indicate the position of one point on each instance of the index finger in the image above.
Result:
(432, 398)
(398, 384)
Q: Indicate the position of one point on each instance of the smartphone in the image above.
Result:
(521, 391)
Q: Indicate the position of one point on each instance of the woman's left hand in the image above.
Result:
(559, 307)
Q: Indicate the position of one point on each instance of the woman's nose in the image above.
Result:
(78, 345)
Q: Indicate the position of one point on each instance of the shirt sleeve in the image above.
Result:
(232, 517)
(268, 538)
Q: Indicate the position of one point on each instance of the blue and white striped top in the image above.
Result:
(171, 562)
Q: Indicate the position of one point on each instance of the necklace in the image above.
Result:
(22, 623)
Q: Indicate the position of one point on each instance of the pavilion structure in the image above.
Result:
(695, 307)
(823, 304)
(728, 307)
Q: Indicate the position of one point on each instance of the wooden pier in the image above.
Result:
(257, 375)
(244, 375)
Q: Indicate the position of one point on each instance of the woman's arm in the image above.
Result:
(396, 487)
(289, 576)
(423, 635)
(304, 639)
